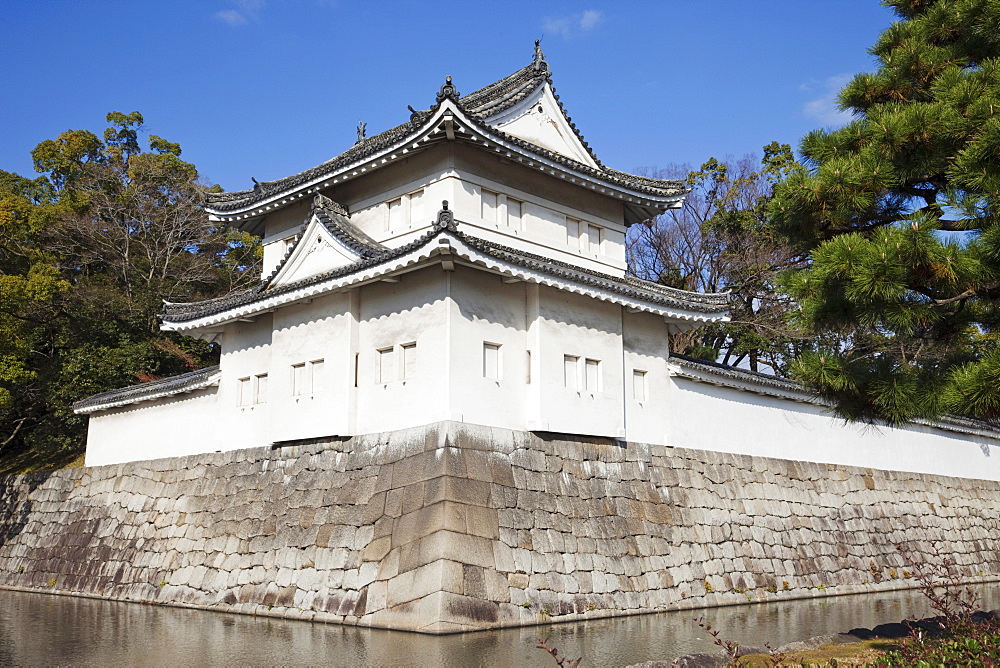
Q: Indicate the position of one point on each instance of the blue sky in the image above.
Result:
(267, 88)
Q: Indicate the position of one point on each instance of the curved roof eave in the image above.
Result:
(430, 129)
(674, 304)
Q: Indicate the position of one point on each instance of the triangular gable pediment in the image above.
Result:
(316, 251)
(540, 120)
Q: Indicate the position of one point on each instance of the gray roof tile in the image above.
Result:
(479, 105)
(625, 286)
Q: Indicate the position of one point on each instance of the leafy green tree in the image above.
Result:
(721, 240)
(899, 212)
(88, 251)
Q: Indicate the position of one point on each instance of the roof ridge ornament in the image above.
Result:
(447, 91)
(416, 117)
(445, 218)
(361, 131)
(539, 64)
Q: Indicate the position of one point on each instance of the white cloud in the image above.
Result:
(231, 16)
(589, 19)
(244, 12)
(824, 107)
(571, 26)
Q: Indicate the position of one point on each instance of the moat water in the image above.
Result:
(39, 629)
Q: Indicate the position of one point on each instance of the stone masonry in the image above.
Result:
(453, 527)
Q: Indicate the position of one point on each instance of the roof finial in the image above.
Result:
(447, 90)
(361, 131)
(539, 63)
(445, 218)
(256, 184)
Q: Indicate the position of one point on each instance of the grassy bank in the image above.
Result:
(15, 463)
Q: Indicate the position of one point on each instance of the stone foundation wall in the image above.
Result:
(453, 527)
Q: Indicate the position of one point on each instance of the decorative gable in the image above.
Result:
(540, 120)
(315, 251)
(328, 241)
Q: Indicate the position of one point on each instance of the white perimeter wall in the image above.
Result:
(184, 424)
(723, 419)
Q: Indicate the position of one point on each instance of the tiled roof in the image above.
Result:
(190, 311)
(335, 219)
(364, 148)
(155, 389)
(627, 286)
(501, 95)
(480, 105)
(736, 373)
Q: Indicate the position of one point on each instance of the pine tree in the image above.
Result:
(899, 212)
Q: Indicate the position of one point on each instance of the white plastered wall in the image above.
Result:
(567, 324)
(488, 312)
(393, 316)
(647, 408)
(184, 424)
(723, 419)
(246, 354)
(461, 174)
(314, 336)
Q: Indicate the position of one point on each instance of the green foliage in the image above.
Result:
(88, 251)
(956, 637)
(898, 211)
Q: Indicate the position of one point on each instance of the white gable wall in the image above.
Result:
(539, 120)
(316, 252)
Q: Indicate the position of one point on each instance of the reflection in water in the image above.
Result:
(42, 629)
